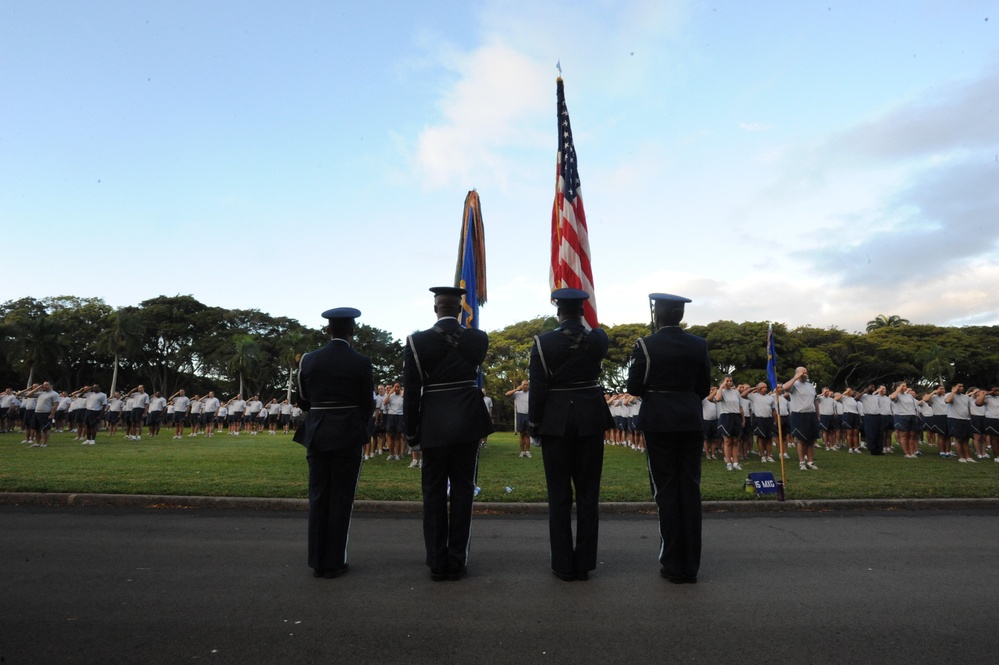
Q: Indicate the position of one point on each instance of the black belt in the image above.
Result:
(578, 385)
(332, 405)
(452, 385)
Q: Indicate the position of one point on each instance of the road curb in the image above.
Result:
(163, 501)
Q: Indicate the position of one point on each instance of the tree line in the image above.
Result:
(171, 342)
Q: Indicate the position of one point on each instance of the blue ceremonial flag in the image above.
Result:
(771, 358)
(471, 271)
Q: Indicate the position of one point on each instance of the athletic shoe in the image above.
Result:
(414, 464)
(811, 465)
(527, 453)
(972, 461)
(728, 466)
(736, 466)
(521, 453)
(802, 467)
(962, 460)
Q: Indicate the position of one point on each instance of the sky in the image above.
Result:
(809, 163)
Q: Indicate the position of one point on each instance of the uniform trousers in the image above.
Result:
(573, 461)
(872, 434)
(675, 474)
(333, 478)
(447, 523)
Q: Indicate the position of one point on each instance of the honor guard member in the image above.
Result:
(334, 386)
(445, 417)
(568, 412)
(670, 371)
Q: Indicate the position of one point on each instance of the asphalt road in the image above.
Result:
(91, 585)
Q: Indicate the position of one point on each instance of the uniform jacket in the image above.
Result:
(336, 388)
(442, 404)
(564, 374)
(670, 371)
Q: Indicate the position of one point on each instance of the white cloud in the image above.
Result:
(486, 112)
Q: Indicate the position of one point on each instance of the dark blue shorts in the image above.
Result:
(805, 426)
(521, 424)
(764, 427)
(394, 424)
(729, 424)
(959, 429)
(710, 429)
(41, 420)
(906, 424)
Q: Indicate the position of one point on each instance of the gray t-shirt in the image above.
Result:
(904, 405)
(960, 407)
(763, 405)
(45, 401)
(802, 397)
(731, 401)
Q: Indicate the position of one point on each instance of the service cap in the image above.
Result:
(341, 313)
(667, 297)
(453, 291)
(569, 295)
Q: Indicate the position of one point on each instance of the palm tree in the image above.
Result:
(292, 347)
(120, 337)
(37, 342)
(886, 321)
(245, 352)
(937, 366)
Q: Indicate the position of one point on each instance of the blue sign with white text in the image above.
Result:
(763, 482)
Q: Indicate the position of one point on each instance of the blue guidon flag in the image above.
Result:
(771, 358)
(470, 273)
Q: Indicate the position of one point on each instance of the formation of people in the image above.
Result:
(39, 410)
(960, 423)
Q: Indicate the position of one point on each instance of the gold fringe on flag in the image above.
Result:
(472, 213)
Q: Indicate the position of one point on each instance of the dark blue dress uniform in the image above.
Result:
(336, 391)
(670, 371)
(446, 417)
(568, 412)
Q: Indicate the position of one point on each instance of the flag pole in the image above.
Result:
(780, 448)
(772, 376)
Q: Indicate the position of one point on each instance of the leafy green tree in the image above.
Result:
(509, 352)
(34, 342)
(79, 319)
(622, 338)
(385, 351)
(170, 328)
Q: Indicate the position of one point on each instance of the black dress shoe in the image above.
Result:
(678, 579)
(457, 573)
(318, 572)
(336, 572)
(437, 575)
(582, 576)
(565, 577)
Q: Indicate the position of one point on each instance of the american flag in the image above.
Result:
(570, 265)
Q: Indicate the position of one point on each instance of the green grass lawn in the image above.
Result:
(274, 466)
